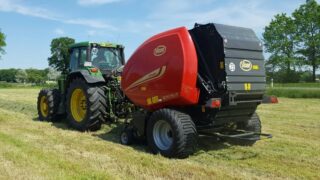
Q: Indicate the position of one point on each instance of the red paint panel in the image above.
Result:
(165, 66)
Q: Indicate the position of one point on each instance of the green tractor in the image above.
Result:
(89, 94)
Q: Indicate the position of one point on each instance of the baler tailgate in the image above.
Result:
(244, 60)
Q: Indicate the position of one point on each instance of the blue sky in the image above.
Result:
(31, 25)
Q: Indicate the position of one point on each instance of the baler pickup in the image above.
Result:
(240, 135)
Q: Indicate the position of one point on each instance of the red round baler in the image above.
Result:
(163, 71)
(208, 80)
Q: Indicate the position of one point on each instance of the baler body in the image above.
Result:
(184, 67)
(163, 71)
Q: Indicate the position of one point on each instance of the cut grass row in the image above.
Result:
(30, 149)
(27, 85)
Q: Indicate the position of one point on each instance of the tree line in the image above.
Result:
(293, 42)
(35, 76)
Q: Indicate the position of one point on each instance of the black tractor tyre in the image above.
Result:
(95, 102)
(48, 105)
(182, 133)
(253, 124)
(127, 136)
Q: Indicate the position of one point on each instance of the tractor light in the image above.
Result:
(214, 103)
(94, 70)
(270, 100)
(274, 99)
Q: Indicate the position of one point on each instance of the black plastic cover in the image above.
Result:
(230, 56)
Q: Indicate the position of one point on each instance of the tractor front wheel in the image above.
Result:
(86, 105)
(171, 133)
(48, 104)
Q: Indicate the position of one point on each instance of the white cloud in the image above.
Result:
(167, 14)
(59, 31)
(92, 32)
(16, 7)
(12, 6)
(95, 2)
(93, 23)
(250, 13)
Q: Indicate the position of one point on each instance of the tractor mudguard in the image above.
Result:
(90, 78)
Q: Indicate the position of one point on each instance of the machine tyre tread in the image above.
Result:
(53, 100)
(96, 106)
(184, 133)
(128, 132)
(253, 124)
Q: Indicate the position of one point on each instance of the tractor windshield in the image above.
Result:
(106, 58)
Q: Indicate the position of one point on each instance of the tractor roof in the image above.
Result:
(87, 43)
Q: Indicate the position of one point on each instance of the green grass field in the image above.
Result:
(30, 149)
(295, 90)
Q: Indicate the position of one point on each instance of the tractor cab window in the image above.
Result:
(74, 59)
(106, 58)
(83, 56)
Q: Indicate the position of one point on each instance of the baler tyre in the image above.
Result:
(127, 137)
(171, 133)
(48, 104)
(253, 124)
(86, 105)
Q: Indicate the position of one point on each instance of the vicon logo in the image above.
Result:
(160, 50)
(246, 65)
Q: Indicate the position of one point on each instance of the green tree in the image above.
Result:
(279, 40)
(307, 20)
(53, 74)
(60, 57)
(2, 43)
(21, 76)
(36, 76)
(8, 75)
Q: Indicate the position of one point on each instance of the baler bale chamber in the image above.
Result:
(205, 81)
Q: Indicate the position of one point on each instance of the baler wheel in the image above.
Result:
(126, 137)
(48, 104)
(86, 105)
(171, 133)
(254, 125)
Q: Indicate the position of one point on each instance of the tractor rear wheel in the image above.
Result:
(86, 105)
(171, 133)
(48, 104)
(254, 125)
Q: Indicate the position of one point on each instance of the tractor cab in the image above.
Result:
(104, 56)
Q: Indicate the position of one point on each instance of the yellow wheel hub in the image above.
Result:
(78, 105)
(44, 108)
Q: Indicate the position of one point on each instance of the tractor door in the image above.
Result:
(78, 58)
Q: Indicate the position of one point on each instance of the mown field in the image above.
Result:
(30, 149)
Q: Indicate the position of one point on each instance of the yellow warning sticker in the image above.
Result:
(255, 67)
(155, 99)
(247, 86)
(149, 102)
(221, 65)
